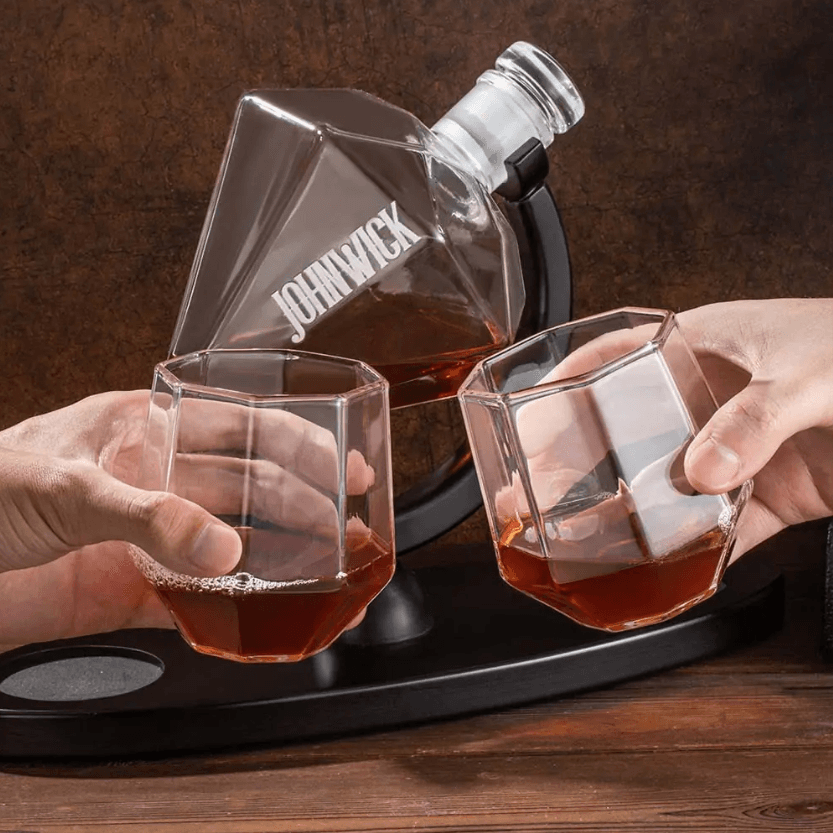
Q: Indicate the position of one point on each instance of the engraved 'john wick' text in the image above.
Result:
(340, 272)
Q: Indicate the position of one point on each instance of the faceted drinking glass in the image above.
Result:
(578, 435)
(292, 450)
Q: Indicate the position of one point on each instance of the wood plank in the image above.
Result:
(675, 791)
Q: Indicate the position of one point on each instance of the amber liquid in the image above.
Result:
(281, 625)
(618, 599)
(424, 347)
(427, 380)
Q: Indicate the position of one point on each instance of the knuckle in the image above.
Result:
(758, 415)
(149, 508)
(259, 472)
(164, 515)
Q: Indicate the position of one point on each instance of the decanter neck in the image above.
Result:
(527, 96)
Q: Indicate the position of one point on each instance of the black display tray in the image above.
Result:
(489, 647)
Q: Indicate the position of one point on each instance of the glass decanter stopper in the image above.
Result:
(341, 224)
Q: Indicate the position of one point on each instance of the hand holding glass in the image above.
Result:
(291, 449)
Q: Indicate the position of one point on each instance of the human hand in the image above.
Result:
(69, 504)
(259, 467)
(770, 366)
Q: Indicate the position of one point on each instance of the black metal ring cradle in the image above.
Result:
(440, 641)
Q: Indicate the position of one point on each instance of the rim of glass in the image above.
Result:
(378, 383)
(665, 320)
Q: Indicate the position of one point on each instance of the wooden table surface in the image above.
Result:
(739, 742)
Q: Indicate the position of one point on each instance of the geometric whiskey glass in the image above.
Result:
(578, 436)
(292, 450)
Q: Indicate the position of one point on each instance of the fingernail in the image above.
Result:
(216, 550)
(715, 465)
(360, 474)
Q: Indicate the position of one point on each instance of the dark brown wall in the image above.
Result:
(702, 171)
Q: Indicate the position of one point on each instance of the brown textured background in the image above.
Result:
(703, 170)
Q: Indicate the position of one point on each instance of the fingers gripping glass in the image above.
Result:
(292, 450)
(578, 435)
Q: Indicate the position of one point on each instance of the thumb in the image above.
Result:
(744, 434)
(85, 505)
(178, 534)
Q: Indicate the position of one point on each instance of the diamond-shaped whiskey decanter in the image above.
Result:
(340, 224)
